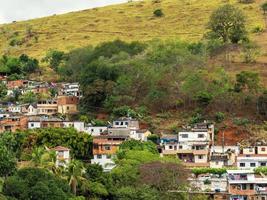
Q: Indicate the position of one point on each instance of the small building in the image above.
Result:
(246, 185)
(14, 108)
(63, 156)
(13, 123)
(45, 122)
(30, 109)
(70, 89)
(126, 122)
(104, 150)
(252, 157)
(95, 130)
(47, 107)
(17, 84)
(67, 104)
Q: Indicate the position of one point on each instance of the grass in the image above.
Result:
(184, 19)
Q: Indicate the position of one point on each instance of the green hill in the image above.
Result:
(185, 19)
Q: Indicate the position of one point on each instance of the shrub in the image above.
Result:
(241, 121)
(258, 29)
(219, 117)
(203, 98)
(250, 52)
(158, 13)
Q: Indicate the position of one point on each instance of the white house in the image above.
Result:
(4, 115)
(95, 130)
(79, 126)
(63, 156)
(71, 89)
(252, 157)
(246, 185)
(192, 145)
(14, 108)
(31, 109)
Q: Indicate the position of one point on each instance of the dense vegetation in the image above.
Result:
(37, 177)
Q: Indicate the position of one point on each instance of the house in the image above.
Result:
(4, 115)
(67, 104)
(47, 107)
(70, 89)
(223, 156)
(63, 156)
(246, 185)
(126, 122)
(210, 182)
(192, 145)
(29, 109)
(14, 108)
(13, 123)
(79, 126)
(45, 122)
(104, 150)
(252, 157)
(95, 130)
(17, 84)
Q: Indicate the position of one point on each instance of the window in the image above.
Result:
(216, 163)
(180, 147)
(121, 123)
(200, 157)
(252, 164)
(68, 107)
(107, 148)
(108, 156)
(99, 156)
(263, 149)
(92, 130)
(244, 186)
(117, 123)
(200, 136)
(263, 164)
(251, 186)
(32, 124)
(100, 130)
(126, 123)
(184, 135)
(170, 147)
(263, 198)
(242, 164)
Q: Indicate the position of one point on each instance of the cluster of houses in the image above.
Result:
(195, 147)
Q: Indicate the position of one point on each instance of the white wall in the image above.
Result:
(248, 160)
(32, 125)
(95, 130)
(105, 162)
(204, 159)
(193, 136)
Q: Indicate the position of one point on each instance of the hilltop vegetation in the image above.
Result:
(134, 21)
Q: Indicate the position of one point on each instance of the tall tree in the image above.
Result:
(227, 23)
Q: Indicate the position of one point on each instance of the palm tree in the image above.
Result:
(37, 156)
(75, 173)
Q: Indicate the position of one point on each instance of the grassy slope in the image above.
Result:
(184, 19)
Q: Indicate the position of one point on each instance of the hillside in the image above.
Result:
(184, 19)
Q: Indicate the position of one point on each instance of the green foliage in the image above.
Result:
(247, 81)
(137, 145)
(258, 29)
(228, 24)
(241, 121)
(250, 52)
(7, 162)
(22, 65)
(206, 170)
(54, 58)
(196, 118)
(260, 170)
(3, 90)
(36, 183)
(153, 138)
(264, 7)
(203, 98)
(28, 97)
(124, 111)
(219, 117)
(262, 103)
(158, 13)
